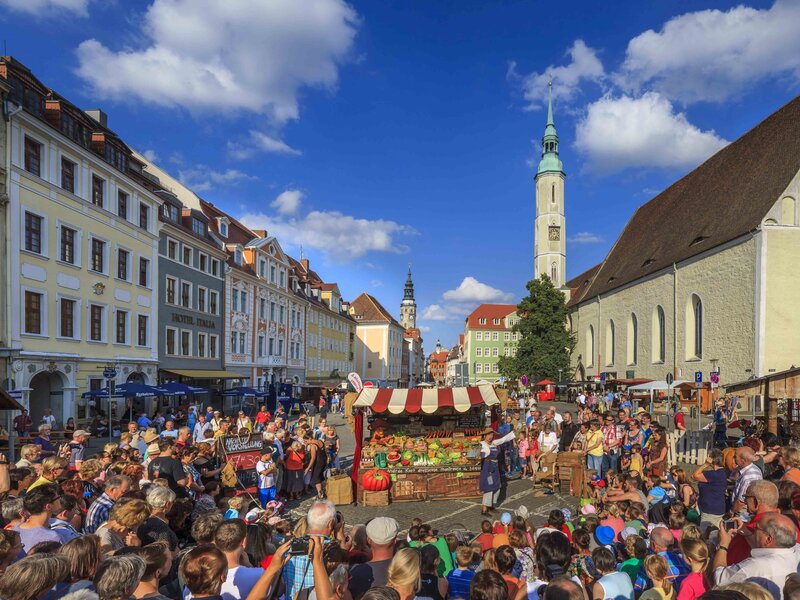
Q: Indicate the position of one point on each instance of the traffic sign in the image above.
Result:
(109, 373)
(669, 378)
(698, 377)
(714, 377)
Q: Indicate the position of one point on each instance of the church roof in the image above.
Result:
(724, 198)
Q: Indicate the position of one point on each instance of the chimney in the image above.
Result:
(98, 115)
(304, 262)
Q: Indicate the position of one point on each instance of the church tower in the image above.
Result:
(408, 307)
(549, 235)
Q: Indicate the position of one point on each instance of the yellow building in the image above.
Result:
(330, 330)
(379, 344)
(82, 235)
(705, 276)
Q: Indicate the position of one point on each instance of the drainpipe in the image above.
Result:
(674, 319)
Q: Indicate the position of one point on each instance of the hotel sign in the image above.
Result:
(190, 320)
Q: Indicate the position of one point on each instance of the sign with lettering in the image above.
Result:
(196, 321)
(244, 453)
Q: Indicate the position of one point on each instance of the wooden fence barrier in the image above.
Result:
(689, 446)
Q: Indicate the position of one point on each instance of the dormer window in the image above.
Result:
(222, 226)
(238, 256)
(198, 227)
(171, 212)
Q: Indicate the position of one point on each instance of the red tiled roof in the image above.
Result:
(490, 312)
(439, 357)
(367, 309)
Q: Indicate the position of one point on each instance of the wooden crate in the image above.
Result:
(374, 498)
(410, 487)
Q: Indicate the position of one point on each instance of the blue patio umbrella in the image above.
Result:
(181, 389)
(101, 394)
(139, 390)
(244, 392)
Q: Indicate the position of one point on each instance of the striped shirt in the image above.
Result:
(747, 476)
(98, 513)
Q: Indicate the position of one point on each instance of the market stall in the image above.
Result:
(424, 444)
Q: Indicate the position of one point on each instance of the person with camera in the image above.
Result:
(323, 523)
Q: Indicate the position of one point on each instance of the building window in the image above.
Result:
(33, 156)
(260, 346)
(242, 338)
(271, 347)
(610, 343)
(67, 317)
(122, 327)
(271, 311)
(280, 347)
(122, 264)
(33, 312)
(590, 346)
(67, 175)
(33, 233)
(67, 250)
(202, 262)
(186, 294)
(262, 308)
(171, 285)
(633, 340)
(282, 279)
(478, 368)
(495, 351)
(186, 343)
(495, 336)
(187, 256)
(243, 297)
(482, 321)
(479, 351)
(234, 341)
(212, 302)
(171, 212)
(172, 249)
(141, 330)
(235, 300)
(272, 273)
(170, 344)
(96, 323)
(199, 227)
(98, 255)
(280, 314)
(659, 335)
(98, 191)
(144, 216)
(237, 256)
(214, 266)
(144, 272)
(694, 328)
(201, 345)
(201, 299)
(223, 229)
(122, 204)
(479, 336)
(212, 346)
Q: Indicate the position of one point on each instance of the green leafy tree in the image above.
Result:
(545, 343)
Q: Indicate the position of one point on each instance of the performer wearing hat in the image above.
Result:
(490, 472)
(379, 429)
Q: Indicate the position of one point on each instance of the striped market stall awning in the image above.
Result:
(428, 400)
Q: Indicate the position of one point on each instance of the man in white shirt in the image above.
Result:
(230, 538)
(774, 555)
(200, 428)
(748, 473)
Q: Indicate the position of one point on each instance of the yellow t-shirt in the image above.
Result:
(593, 438)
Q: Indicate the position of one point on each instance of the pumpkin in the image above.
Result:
(375, 480)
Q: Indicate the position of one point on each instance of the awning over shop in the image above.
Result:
(413, 400)
(204, 373)
(7, 401)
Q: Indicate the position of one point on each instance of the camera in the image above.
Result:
(730, 525)
(299, 546)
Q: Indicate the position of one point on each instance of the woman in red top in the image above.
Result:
(261, 418)
(295, 486)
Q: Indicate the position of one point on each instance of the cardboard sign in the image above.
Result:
(244, 453)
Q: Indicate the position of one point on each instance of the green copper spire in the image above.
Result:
(550, 160)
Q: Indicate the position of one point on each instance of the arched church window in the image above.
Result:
(694, 328)
(659, 329)
(553, 193)
(610, 343)
(554, 272)
(590, 346)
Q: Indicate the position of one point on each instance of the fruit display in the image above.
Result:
(376, 480)
(436, 448)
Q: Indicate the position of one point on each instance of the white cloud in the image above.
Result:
(260, 142)
(150, 155)
(376, 283)
(223, 55)
(339, 236)
(567, 79)
(288, 202)
(458, 302)
(585, 237)
(201, 178)
(48, 8)
(470, 290)
(711, 55)
(622, 132)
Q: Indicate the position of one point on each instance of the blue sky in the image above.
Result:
(381, 133)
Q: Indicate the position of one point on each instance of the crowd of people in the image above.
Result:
(155, 517)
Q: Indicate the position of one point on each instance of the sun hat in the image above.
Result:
(382, 530)
(604, 535)
(252, 516)
(150, 436)
(627, 532)
(589, 509)
(505, 518)
(567, 514)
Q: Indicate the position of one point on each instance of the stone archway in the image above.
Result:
(136, 377)
(46, 391)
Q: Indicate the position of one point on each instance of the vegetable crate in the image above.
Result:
(374, 498)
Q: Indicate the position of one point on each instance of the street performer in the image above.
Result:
(490, 472)
(380, 428)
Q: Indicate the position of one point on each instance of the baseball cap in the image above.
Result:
(382, 530)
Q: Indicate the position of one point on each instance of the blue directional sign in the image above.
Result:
(109, 373)
(698, 377)
(602, 376)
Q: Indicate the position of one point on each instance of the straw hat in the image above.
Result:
(150, 436)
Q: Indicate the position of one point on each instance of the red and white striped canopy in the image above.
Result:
(427, 400)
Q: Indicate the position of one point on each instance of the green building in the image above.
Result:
(487, 337)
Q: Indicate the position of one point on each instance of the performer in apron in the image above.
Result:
(490, 471)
